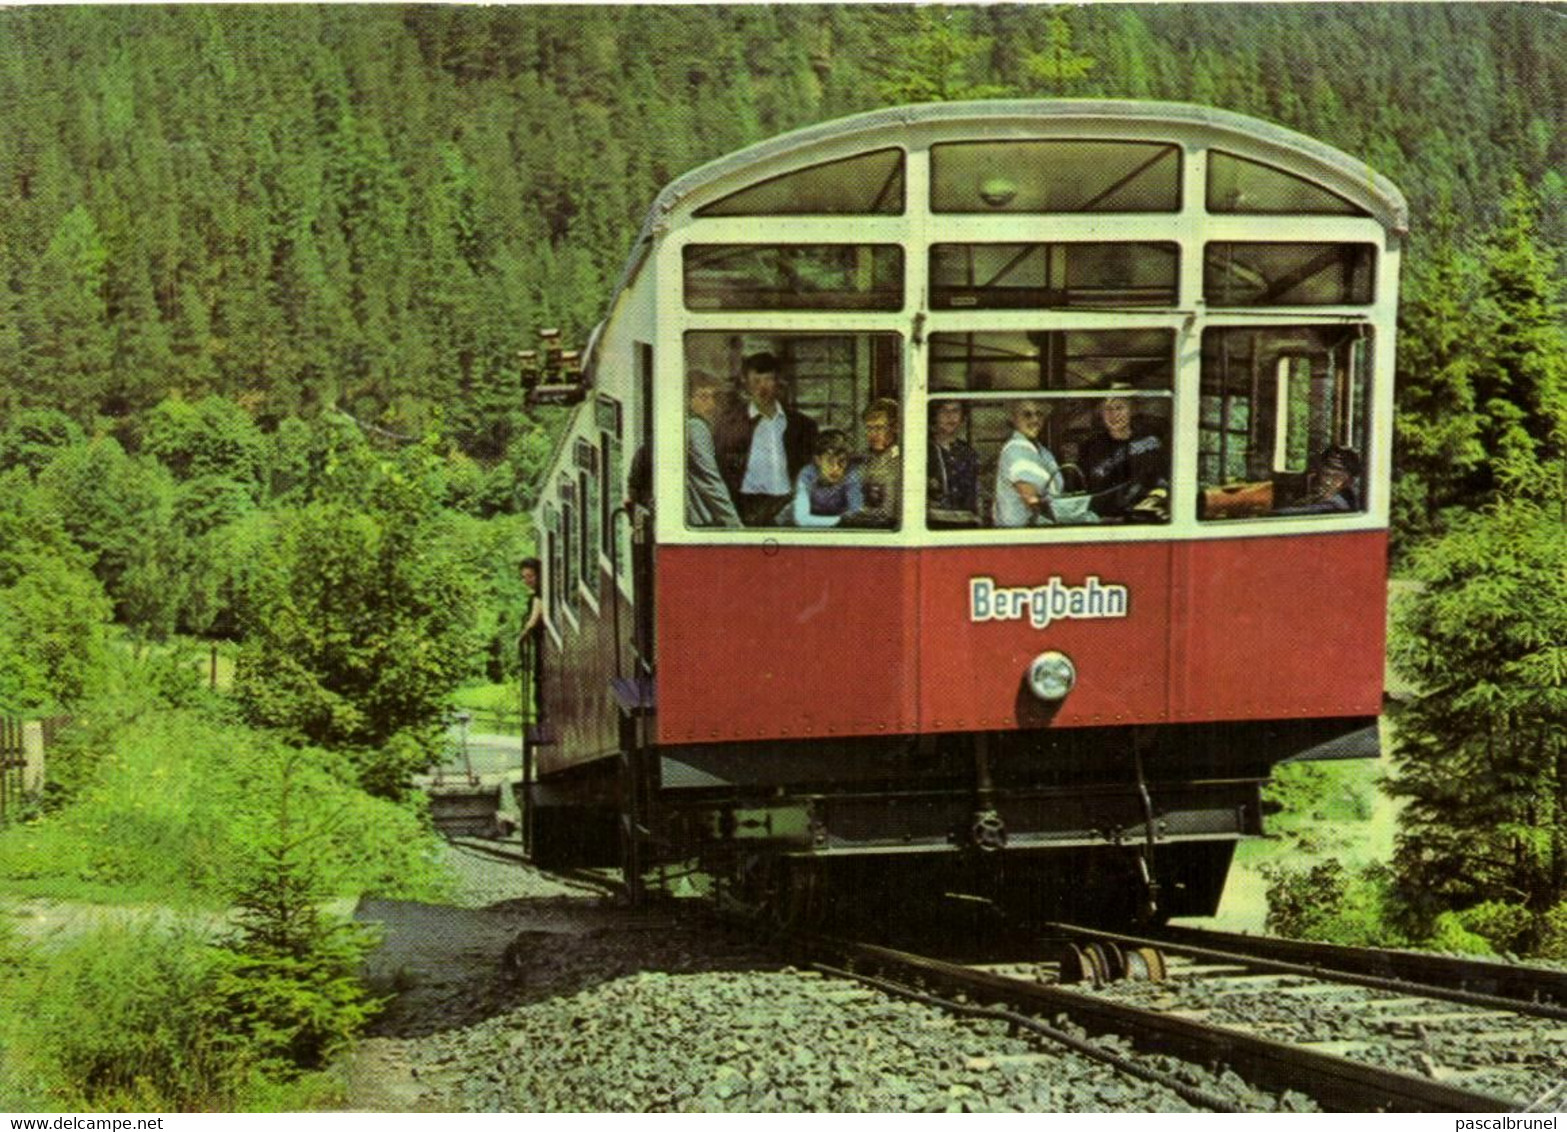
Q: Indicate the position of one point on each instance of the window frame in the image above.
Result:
(1165, 147)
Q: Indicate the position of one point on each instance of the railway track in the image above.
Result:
(1492, 1028)
(1220, 1012)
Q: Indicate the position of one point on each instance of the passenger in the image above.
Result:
(1027, 475)
(954, 465)
(828, 490)
(1122, 469)
(1335, 490)
(762, 448)
(530, 644)
(882, 472)
(708, 503)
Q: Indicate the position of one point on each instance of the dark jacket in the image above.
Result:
(1120, 473)
(733, 441)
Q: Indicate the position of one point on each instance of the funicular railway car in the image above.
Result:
(1073, 525)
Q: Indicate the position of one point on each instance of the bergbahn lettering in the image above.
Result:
(1054, 601)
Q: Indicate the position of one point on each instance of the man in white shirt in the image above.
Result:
(762, 446)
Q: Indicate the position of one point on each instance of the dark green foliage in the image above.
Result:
(359, 623)
(213, 438)
(1500, 926)
(1482, 754)
(288, 981)
(1437, 444)
(53, 611)
(1331, 903)
(938, 60)
(34, 436)
(376, 207)
(1522, 381)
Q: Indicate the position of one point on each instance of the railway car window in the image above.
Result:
(1284, 421)
(552, 584)
(1049, 461)
(1017, 360)
(1238, 185)
(794, 277)
(1080, 417)
(867, 184)
(1055, 176)
(1236, 274)
(568, 544)
(588, 495)
(999, 276)
(831, 461)
(611, 453)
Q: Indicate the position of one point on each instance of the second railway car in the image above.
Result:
(974, 497)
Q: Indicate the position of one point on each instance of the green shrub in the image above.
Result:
(1553, 933)
(1333, 904)
(145, 1019)
(1506, 927)
(161, 813)
(1322, 791)
(1448, 933)
(289, 977)
(123, 1018)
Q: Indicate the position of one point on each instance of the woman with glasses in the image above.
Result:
(1027, 475)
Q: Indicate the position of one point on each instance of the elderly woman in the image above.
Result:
(1027, 475)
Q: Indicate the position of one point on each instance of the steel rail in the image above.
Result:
(1200, 1097)
(1488, 976)
(1264, 954)
(1336, 1083)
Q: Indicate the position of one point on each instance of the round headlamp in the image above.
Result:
(1051, 676)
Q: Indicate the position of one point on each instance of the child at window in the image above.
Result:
(883, 467)
(827, 489)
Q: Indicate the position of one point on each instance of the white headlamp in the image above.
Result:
(1051, 676)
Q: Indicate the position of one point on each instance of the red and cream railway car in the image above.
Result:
(1117, 547)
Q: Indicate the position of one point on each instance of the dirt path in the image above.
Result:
(444, 966)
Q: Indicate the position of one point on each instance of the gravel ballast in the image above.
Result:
(535, 994)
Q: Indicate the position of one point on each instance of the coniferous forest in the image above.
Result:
(265, 273)
(375, 206)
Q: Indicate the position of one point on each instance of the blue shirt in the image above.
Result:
(818, 504)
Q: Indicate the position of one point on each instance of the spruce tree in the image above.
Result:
(1482, 754)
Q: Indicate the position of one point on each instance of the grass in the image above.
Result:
(112, 898)
(493, 706)
(165, 811)
(1340, 811)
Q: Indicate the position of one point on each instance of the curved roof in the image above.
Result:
(1346, 175)
(1353, 177)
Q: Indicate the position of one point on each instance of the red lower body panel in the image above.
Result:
(758, 643)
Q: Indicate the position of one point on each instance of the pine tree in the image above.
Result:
(940, 61)
(1482, 754)
(1437, 445)
(1522, 381)
(71, 341)
(1057, 64)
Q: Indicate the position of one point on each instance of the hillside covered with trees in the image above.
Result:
(375, 207)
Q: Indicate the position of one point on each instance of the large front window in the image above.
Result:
(1276, 274)
(793, 430)
(1049, 428)
(994, 276)
(1284, 425)
(867, 184)
(756, 277)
